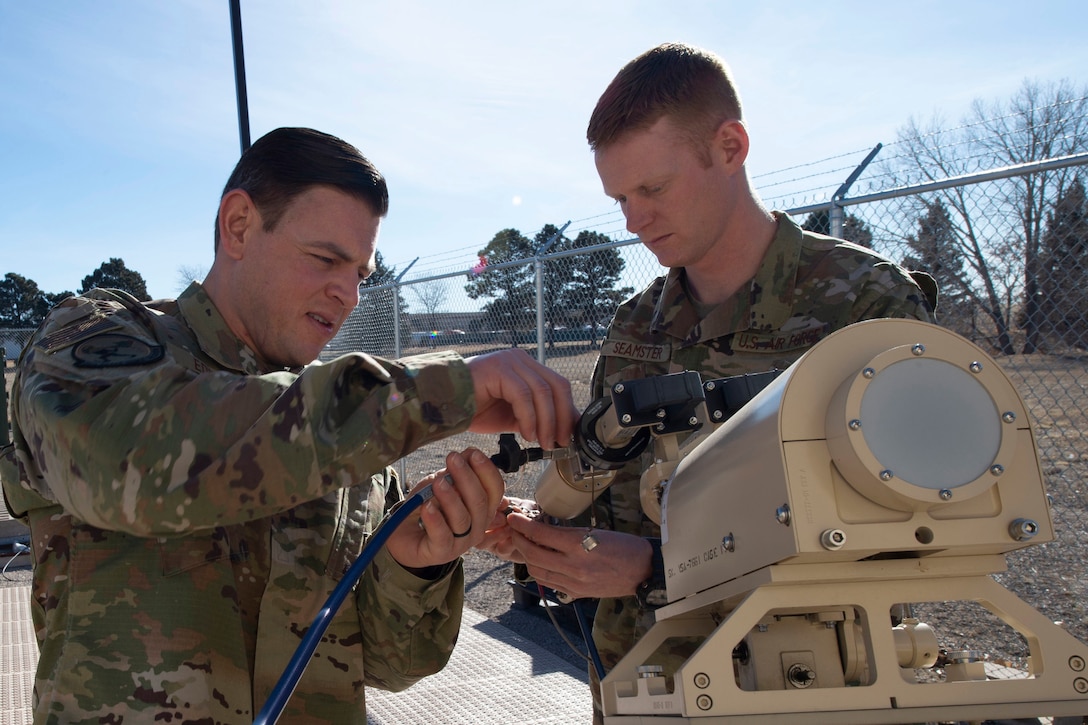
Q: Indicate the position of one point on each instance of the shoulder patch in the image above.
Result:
(115, 350)
(71, 334)
(636, 351)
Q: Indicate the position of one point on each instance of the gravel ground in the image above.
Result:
(487, 591)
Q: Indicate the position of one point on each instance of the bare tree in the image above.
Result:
(188, 274)
(998, 227)
(431, 296)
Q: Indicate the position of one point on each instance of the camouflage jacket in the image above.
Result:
(807, 286)
(191, 511)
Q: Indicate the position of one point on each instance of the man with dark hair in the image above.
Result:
(746, 291)
(195, 487)
(287, 161)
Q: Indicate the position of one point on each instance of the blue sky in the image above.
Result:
(118, 123)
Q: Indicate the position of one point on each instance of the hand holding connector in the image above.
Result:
(511, 456)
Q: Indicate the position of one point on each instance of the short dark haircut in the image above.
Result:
(692, 86)
(286, 162)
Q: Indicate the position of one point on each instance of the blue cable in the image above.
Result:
(273, 707)
(587, 635)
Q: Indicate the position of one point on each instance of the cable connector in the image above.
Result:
(512, 456)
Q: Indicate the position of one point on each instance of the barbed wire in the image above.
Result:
(810, 164)
(957, 149)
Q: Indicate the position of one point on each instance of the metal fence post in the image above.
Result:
(5, 436)
(835, 214)
(538, 265)
(539, 269)
(835, 219)
(396, 309)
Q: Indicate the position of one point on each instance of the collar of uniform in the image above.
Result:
(765, 304)
(215, 336)
(776, 279)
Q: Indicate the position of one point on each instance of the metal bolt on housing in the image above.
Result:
(833, 539)
(1023, 529)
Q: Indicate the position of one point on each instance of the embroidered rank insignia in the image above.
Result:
(636, 351)
(115, 350)
(71, 334)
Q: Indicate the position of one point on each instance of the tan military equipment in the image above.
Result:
(893, 464)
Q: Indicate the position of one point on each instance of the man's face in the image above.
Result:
(295, 285)
(676, 203)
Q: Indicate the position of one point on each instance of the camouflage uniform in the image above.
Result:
(191, 509)
(807, 286)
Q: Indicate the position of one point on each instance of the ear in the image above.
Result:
(731, 145)
(238, 216)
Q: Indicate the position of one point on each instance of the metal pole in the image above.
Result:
(5, 436)
(396, 308)
(540, 291)
(539, 266)
(402, 464)
(239, 73)
(835, 219)
(835, 214)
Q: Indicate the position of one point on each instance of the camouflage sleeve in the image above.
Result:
(891, 292)
(159, 449)
(409, 624)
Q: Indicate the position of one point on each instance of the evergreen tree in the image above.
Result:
(511, 289)
(22, 303)
(115, 275)
(853, 229)
(935, 249)
(591, 295)
(1063, 284)
(556, 277)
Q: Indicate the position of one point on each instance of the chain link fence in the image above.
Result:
(12, 342)
(1008, 247)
